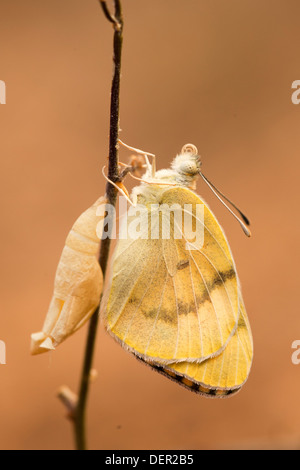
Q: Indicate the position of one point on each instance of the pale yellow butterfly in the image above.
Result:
(174, 299)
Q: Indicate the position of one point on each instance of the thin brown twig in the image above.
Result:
(113, 19)
(69, 400)
(113, 174)
(107, 12)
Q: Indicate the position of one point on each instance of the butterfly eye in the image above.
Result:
(189, 168)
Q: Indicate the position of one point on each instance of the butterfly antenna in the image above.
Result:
(217, 192)
(245, 219)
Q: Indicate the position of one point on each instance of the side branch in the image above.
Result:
(118, 25)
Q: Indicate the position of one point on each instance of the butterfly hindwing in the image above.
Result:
(221, 375)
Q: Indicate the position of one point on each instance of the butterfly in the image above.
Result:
(174, 298)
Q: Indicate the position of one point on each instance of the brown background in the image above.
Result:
(217, 74)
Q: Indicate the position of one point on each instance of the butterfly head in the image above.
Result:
(187, 164)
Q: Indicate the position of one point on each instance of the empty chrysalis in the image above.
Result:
(78, 282)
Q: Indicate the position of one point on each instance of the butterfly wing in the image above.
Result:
(219, 376)
(169, 300)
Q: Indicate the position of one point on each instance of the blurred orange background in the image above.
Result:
(217, 74)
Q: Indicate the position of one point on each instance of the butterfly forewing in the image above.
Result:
(171, 300)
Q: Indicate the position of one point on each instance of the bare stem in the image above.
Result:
(113, 174)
